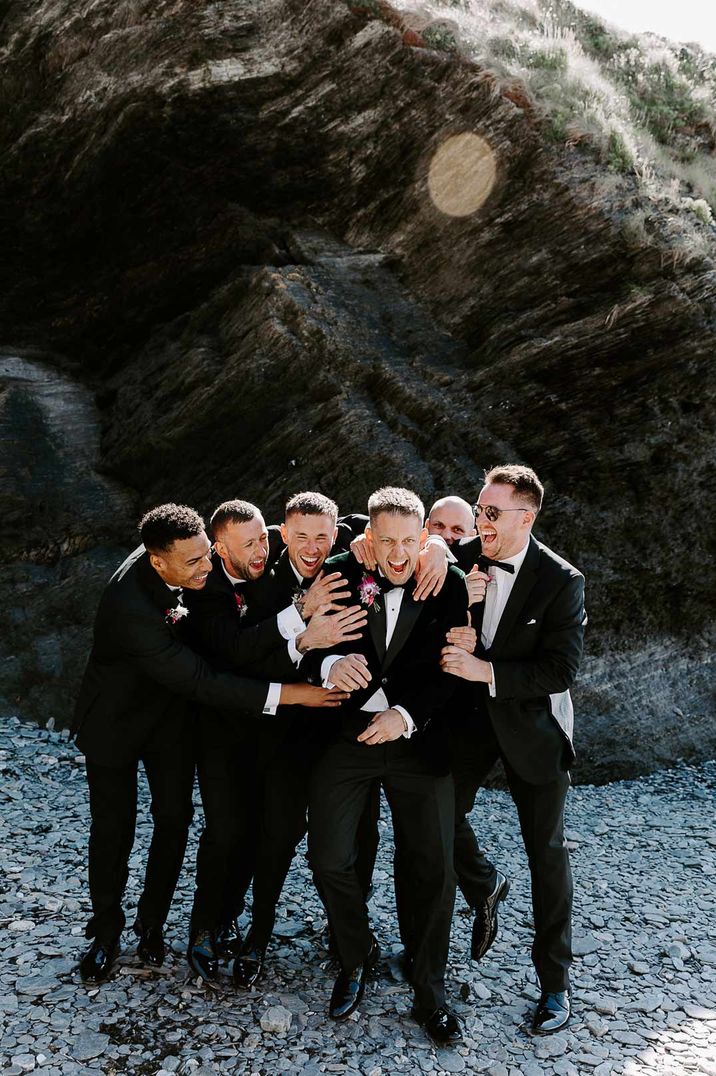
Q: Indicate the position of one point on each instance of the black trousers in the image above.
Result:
(229, 772)
(422, 809)
(284, 821)
(540, 809)
(169, 766)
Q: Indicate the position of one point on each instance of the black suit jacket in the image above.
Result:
(229, 634)
(409, 671)
(535, 656)
(140, 671)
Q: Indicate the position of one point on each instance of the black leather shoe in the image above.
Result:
(484, 927)
(98, 961)
(227, 940)
(552, 1013)
(201, 955)
(248, 967)
(349, 987)
(150, 948)
(442, 1025)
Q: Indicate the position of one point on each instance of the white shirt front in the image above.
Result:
(498, 591)
(378, 700)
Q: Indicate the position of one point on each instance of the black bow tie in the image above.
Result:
(385, 584)
(484, 563)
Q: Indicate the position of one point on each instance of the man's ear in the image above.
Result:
(221, 549)
(157, 562)
(368, 535)
(284, 534)
(423, 537)
(335, 534)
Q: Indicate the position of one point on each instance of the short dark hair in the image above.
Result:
(311, 504)
(397, 501)
(523, 480)
(231, 512)
(167, 523)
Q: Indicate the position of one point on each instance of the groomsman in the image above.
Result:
(386, 733)
(530, 631)
(132, 707)
(225, 629)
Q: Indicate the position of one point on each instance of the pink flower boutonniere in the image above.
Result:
(173, 616)
(241, 606)
(369, 590)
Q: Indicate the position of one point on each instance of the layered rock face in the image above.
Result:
(246, 225)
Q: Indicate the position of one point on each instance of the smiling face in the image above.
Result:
(308, 539)
(186, 563)
(243, 547)
(508, 534)
(396, 541)
(451, 518)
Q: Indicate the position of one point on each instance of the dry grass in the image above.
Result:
(645, 105)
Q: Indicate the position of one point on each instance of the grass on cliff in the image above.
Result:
(647, 106)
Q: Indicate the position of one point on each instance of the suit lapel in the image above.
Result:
(408, 614)
(518, 595)
(377, 625)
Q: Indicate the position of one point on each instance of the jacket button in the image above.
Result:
(384, 680)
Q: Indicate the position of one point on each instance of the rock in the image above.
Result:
(88, 1045)
(142, 204)
(678, 951)
(276, 1020)
(585, 944)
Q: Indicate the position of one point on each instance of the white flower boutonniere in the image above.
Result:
(173, 616)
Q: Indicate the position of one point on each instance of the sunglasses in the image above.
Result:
(492, 513)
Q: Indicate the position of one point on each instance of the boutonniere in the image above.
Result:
(173, 616)
(241, 604)
(369, 590)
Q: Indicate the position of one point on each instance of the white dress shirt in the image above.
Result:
(378, 700)
(498, 591)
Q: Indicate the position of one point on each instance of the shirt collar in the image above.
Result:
(516, 560)
(233, 579)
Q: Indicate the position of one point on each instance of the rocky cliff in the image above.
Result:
(289, 246)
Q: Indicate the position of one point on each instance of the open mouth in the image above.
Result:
(257, 566)
(488, 539)
(310, 563)
(400, 568)
(199, 580)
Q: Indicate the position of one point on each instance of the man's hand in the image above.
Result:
(458, 662)
(362, 550)
(384, 727)
(465, 638)
(350, 673)
(310, 695)
(328, 629)
(476, 583)
(431, 569)
(323, 591)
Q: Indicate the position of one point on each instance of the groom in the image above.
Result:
(387, 732)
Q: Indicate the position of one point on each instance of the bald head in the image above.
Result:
(451, 518)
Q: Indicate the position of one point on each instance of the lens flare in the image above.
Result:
(462, 174)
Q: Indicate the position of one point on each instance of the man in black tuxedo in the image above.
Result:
(291, 745)
(530, 631)
(228, 628)
(132, 707)
(386, 733)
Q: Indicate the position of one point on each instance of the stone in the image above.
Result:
(276, 1020)
(88, 1045)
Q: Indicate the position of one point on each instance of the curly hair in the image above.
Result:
(167, 523)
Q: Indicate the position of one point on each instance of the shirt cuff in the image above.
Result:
(326, 666)
(411, 724)
(491, 686)
(272, 699)
(289, 622)
(435, 538)
(293, 652)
